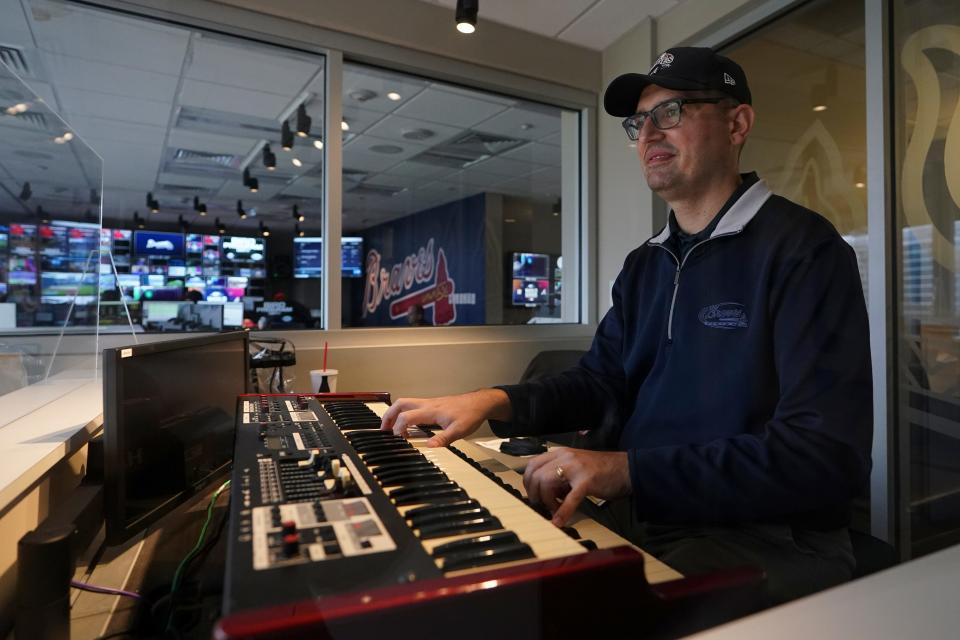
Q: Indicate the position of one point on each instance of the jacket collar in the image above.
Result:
(736, 217)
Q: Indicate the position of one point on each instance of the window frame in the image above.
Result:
(338, 47)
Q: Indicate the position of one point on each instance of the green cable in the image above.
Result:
(183, 563)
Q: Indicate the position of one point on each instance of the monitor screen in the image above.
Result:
(351, 255)
(55, 283)
(243, 248)
(23, 239)
(23, 270)
(82, 243)
(232, 315)
(158, 243)
(169, 410)
(529, 292)
(307, 257)
(194, 243)
(531, 265)
(53, 240)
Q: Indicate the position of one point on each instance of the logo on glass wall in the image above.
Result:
(416, 269)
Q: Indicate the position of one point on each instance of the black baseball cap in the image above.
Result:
(681, 68)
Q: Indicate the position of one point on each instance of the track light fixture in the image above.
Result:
(152, 203)
(240, 211)
(296, 214)
(199, 207)
(269, 158)
(137, 220)
(26, 192)
(264, 231)
(286, 136)
(221, 228)
(303, 122)
(467, 15)
(249, 182)
(184, 225)
(44, 218)
(297, 230)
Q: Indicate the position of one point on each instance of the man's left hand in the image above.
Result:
(562, 477)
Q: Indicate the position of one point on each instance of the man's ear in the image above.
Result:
(741, 123)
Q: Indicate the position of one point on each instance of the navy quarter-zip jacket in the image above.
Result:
(738, 378)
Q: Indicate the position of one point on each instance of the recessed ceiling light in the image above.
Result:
(417, 134)
(296, 162)
(344, 126)
(362, 95)
(318, 144)
(509, 220)
(526, 126)
(860, 185)
(820, 107)
(20, 107)
(393, 95)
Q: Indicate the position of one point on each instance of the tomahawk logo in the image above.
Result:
(437, 295)
(165, 245)
(665, 60)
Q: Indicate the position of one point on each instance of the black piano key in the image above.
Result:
(412, 477)
(457, 527)
(440, 492)
(504, 538)
(409, 465)
(376, 447)
(470, 559)
(391, 456)
(447, 516)
(431, 509)
(356, 437)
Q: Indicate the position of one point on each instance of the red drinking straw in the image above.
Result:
(325, 345)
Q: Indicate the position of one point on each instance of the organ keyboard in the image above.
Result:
(336, 526)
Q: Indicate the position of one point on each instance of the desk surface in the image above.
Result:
(917, 599)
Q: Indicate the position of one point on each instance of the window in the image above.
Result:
(456, 204)
(212, 162)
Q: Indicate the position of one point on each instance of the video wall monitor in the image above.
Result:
(351, 254)
(22, 270)
(23, 239)
(307, 257)
(169, 409)
(158, 244)
(232, 315)
(67, 284)
(530, 292)
(241, 248)
(531, 265)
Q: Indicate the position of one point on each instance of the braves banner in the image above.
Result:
(427, 268)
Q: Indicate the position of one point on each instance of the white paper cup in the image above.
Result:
(317, 376)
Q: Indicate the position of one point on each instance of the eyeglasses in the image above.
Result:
(666, 115)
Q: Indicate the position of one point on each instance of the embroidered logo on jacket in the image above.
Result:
(726, 315)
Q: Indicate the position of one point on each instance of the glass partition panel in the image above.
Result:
(212, 149)
(50, 193)
(458, 204)
(926, 92)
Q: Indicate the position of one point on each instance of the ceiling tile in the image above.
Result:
(607, 20)
(271, 70)
(449, 108)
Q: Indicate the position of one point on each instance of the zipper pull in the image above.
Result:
(676, 278)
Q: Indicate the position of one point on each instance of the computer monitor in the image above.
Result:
(530, 292)
(169, 410)
(307, 257)
(158, 244)
(531, 265)
(351, 257)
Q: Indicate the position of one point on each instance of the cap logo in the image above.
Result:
(664, 60)
(728, 79)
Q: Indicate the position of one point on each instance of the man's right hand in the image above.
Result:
(458, 416)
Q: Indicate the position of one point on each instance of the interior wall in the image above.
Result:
(625, 207)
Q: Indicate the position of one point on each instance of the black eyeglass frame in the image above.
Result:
(629, 123)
